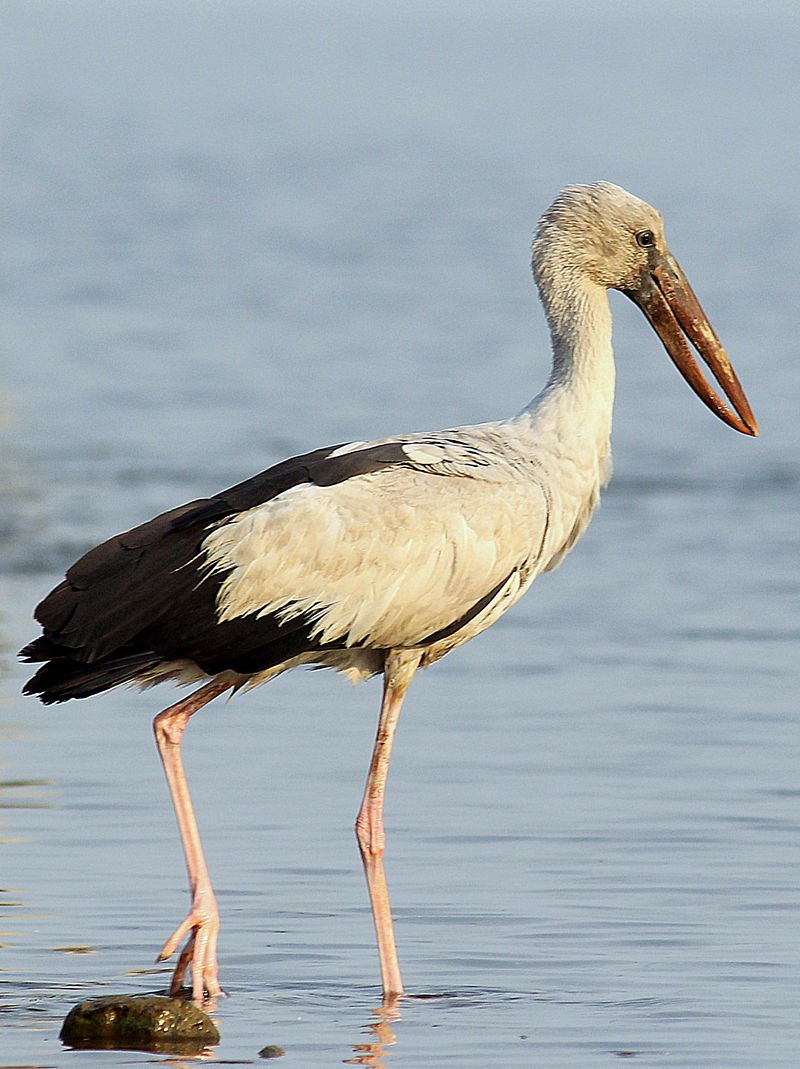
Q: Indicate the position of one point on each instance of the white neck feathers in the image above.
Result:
(579, 396)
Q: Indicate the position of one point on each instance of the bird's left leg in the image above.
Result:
(398, 672)
(202, 922)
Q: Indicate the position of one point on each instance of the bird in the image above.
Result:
(377, 557)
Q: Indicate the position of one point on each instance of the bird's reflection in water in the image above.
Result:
(381, 1036)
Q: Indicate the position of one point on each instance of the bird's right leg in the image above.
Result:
(202, 921)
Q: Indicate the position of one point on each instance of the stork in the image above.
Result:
(377, 557)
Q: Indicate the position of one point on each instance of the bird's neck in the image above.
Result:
(578, 400)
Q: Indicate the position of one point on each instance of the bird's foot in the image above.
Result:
(199, 954)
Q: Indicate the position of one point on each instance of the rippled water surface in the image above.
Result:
(234, 231)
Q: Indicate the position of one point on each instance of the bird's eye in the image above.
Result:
(646, 239)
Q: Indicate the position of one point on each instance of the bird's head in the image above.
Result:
(599, 232)
(601, 235)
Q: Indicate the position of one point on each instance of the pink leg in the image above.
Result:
(398, 672)
(203, 919)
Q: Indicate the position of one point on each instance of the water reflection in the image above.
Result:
(186, 1062)
(380, 1030)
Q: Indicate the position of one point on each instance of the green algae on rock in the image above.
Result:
(139, 1022)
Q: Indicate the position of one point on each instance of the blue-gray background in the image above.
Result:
(234, 231)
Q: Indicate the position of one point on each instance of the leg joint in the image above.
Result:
(168, 728)
(370, 835)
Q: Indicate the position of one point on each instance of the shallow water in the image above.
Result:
(234, 232)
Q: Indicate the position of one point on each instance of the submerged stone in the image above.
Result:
(271, 1051)
(139, 1022)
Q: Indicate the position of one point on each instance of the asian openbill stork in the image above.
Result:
(378, 557)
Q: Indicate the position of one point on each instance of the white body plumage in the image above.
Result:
(387, 559)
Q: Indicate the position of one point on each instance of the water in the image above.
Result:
(233, 232)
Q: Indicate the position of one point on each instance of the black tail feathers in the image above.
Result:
(62, 677)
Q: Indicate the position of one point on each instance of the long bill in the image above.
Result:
(675, 313)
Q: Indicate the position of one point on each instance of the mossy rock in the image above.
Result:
(139, 1022)
(271, 1051)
